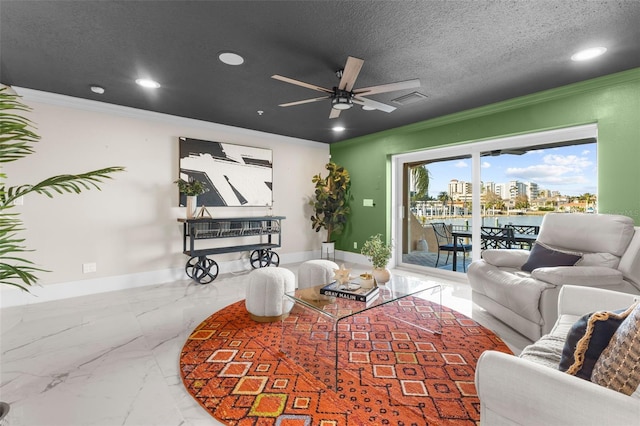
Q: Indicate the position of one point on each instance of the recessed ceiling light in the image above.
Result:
(149, 84)
(97, 89)
(368, 108)
(585, 55)
(231, 58)
(338, 129)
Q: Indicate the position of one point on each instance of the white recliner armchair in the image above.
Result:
(531, 390)
(608, 249)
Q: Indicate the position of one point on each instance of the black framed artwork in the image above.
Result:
(236, 175)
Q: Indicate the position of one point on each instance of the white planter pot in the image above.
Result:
(192, 205)
(328, 249)
(382, 275)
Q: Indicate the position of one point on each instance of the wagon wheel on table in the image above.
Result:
(202, 269)
(262, 258)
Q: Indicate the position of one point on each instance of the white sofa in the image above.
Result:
(523, 391)
(527, 301)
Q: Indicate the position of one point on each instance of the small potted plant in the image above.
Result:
(191, 189)
(378, 253)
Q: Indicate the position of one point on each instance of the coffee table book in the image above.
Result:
(351, 291)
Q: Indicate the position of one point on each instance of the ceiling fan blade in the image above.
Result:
(391, 87)
(350, 73)
(301, 83)
(373, 104)
(335, 113)
(305, 101)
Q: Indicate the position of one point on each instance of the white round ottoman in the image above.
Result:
(316, 272)
(265, 294)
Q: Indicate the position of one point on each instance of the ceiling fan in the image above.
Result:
(344, 95)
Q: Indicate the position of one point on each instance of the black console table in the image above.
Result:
(258, 230)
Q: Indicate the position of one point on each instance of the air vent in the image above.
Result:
(409, 99)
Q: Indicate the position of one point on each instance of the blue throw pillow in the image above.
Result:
(586, 340)
(542, 256)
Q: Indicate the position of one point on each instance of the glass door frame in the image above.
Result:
(473, 149)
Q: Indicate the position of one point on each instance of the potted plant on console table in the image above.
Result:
(191, 189)
(379, 254)
(330, 203)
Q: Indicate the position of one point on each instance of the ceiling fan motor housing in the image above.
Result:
(342, 99)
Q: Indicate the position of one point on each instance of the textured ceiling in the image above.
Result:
(465, 53)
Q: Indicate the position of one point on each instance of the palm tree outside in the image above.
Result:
(444, 198)
(421, 177)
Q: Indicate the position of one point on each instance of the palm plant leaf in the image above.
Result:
(15, 136)
(18, 275)
(16, 140)
(59, 184)
(14, 271)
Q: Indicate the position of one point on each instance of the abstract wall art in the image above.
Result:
(235, 175)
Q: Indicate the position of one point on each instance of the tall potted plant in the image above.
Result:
(331, 201)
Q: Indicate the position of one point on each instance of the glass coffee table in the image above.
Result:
(319, 328)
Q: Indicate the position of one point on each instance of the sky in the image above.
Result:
(570, 170)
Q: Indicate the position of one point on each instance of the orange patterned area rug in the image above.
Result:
(391, 373)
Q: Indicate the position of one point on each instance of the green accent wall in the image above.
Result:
(612, 101)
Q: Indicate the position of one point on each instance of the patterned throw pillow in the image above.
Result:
(586, 340)
(618, 367)
(542, 256)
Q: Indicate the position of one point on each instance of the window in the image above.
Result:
(491, 184)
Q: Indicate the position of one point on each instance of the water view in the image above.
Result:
(498, 221)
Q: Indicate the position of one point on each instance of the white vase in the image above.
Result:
(382, 275)
(192, 205)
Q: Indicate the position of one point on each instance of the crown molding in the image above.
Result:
(65, 101)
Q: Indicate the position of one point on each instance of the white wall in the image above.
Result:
(129, 229)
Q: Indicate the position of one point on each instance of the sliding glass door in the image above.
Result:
(488, 194)
(435, 192)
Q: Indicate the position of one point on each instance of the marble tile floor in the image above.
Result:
(112, 358)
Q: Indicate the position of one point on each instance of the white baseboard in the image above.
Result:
(12, 296)
(50, 292)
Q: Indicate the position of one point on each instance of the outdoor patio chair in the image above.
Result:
(445, 243)
(523, 230)
(493, 237)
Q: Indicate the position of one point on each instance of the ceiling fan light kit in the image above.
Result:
(344, 95)
(342, 99)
